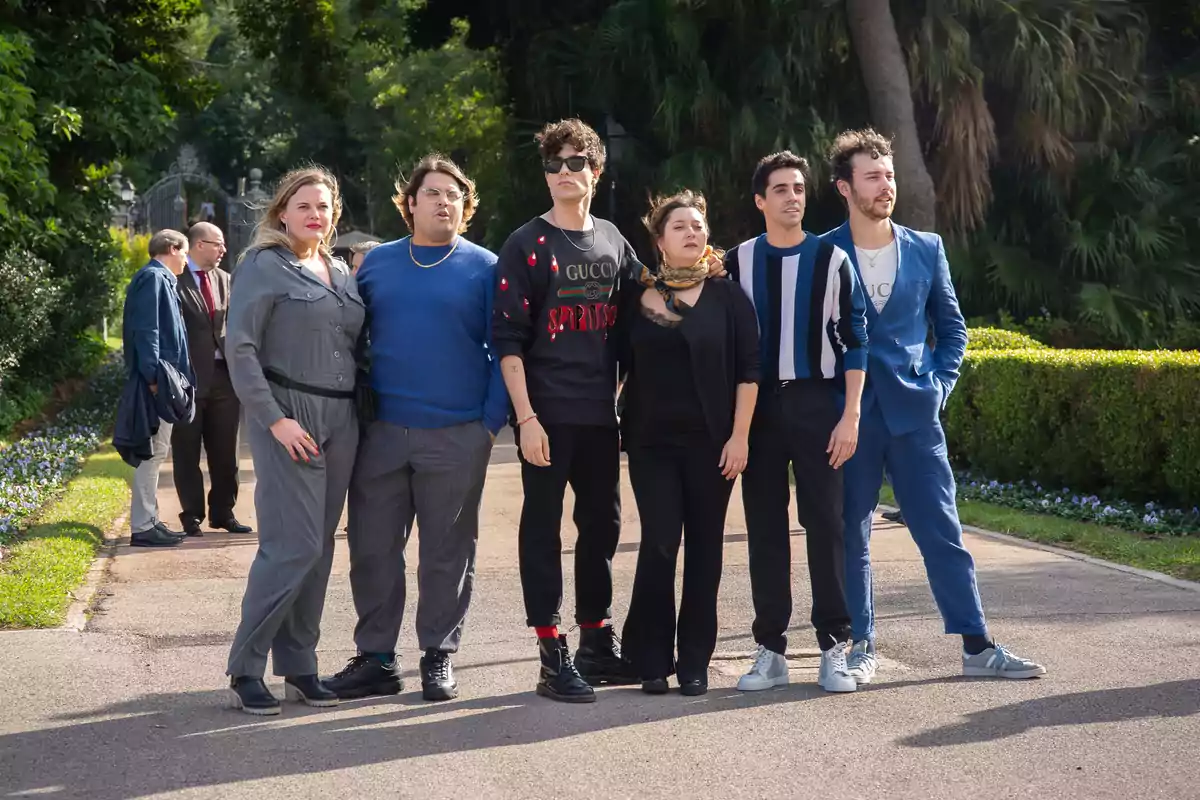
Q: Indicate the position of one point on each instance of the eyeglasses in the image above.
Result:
(451, 195)
(555, 165)
(220, 245)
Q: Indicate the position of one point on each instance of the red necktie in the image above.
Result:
(206, 292)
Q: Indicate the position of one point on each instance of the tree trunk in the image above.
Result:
(889, 93)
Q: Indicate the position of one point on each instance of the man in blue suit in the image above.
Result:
(907, 280)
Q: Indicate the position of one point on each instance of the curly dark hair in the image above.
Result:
(576, 133)
(435, 162)
(848, 144)
(768, 164)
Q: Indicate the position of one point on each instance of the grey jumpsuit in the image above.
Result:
(283, 319)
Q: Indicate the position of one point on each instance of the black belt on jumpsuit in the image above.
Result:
(320, 391)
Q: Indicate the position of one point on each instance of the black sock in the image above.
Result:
(975, 643)
(383, 658)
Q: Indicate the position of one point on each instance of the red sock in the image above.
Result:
(547, 631)
(592, 625)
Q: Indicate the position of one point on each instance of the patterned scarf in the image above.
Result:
(669, 278)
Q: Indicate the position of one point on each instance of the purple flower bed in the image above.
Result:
(34, 468)
(1032, 496)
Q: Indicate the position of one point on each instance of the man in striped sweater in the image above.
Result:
(812, 328)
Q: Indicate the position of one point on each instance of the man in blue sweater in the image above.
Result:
(440, 403)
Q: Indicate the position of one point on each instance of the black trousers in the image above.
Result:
(791, 428)
(216, 428)
(588, 457)
(680, 493)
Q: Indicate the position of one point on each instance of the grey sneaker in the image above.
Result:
(861, 663)
(770, 669)
(996, 662)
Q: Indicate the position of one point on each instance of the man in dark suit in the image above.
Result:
(204, 300)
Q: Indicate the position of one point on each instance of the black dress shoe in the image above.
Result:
(655, 686)
(693, 687)
(559, 680)
(155, 537)
(191, 527)
(364, 676)
(231, 525)
(599, 658)
(893, 516)
(437, 676)
(252, 696)
(162, 526)
(309, 690)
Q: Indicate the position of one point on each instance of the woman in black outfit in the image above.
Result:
(689, 349)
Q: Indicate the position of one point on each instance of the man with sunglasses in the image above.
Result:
(555, 304)
(204, 301)
(440, 403)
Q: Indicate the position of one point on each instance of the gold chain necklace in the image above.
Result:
(434, 264)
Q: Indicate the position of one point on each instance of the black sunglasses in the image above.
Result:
(574, 163)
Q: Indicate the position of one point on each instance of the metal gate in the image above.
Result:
(185, 196)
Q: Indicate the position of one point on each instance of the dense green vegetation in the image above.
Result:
(1054, 144)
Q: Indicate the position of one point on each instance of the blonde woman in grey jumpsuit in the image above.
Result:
(295, 316)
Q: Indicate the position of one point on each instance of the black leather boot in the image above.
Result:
(559, 679)
(599, 658)
(309, 690)
(252, 696)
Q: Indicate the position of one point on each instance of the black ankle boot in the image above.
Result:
(252, 696)
(599, 658)
(559, 679)
(309, 690)
(655, 686)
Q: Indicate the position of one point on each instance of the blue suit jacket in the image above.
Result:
(906, 376)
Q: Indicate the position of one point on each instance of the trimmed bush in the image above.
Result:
(1095, 420)
(999, 339)
(28, 295)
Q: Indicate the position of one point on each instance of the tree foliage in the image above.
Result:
(83, 83)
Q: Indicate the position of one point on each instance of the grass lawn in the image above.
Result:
(52, 558)
(1173, 555)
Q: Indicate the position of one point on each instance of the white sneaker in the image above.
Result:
(861, 663)
(835, 675)
(769, 670)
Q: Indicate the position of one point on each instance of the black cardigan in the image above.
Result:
(722, 336)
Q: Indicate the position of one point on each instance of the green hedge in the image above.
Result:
(1000, 339)
(1093, 420)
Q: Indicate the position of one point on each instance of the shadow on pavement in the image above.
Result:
(169, 742)
(1172, 699)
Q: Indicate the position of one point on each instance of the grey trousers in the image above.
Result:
(436, 477)
(298, 506)
(143, 506)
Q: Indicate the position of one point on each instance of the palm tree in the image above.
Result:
(881, 58)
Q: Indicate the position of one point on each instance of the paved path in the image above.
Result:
(132, 706)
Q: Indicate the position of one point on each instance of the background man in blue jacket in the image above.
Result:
(153, 331)
(907, 281)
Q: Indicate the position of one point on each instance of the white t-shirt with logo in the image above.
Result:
(878, 268)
